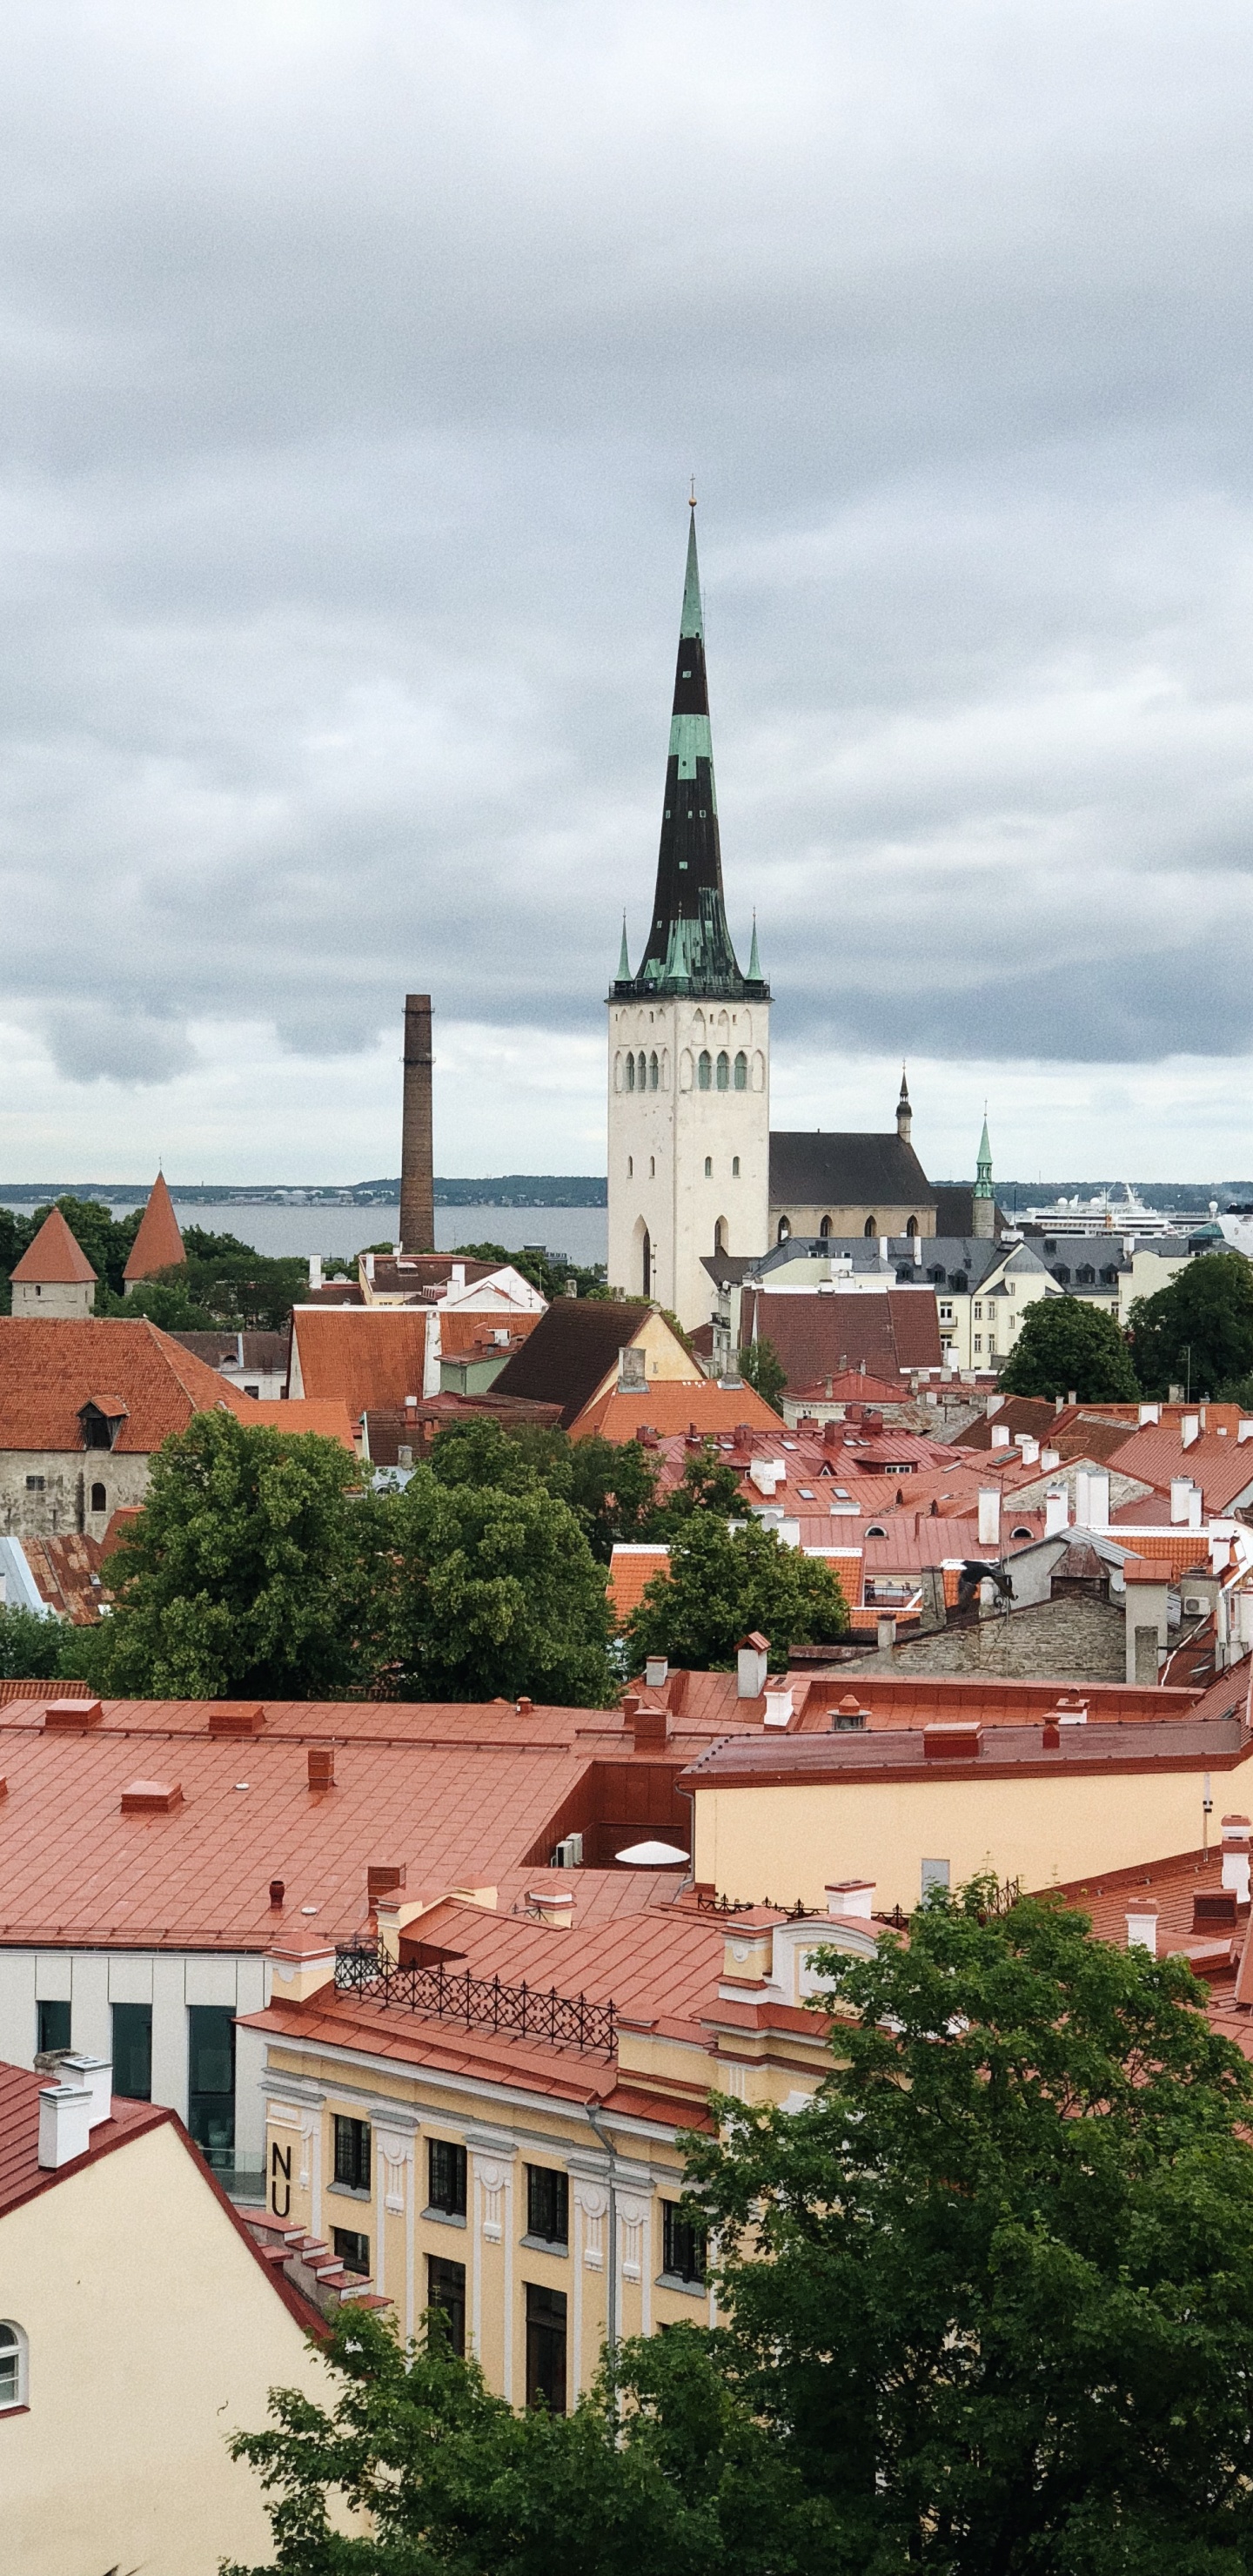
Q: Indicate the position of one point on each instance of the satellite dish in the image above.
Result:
(652, 1855)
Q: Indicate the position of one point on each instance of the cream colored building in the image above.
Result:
(139, 2326)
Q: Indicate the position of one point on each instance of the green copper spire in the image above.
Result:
(754, 961)
(983, 1185)
(624, 961)
(688, 949)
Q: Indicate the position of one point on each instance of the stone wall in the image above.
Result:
(46, 1492)
(1066, 1641)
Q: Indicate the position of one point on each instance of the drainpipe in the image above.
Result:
(611, 2320)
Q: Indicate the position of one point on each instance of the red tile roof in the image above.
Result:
(819, 1336)
(326, 1415)
(1217, 1461)
(158, 1244)
(676, 1405)
(797, 1761)
(469, 1329)
(631, 1570)
(55, 1258)
(364, 1357)
(50, 1369)
(21, 2174)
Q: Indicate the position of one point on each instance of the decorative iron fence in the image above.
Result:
(479, 2003)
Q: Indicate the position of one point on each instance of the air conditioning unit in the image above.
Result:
(569, 1853)
(1195, 1605)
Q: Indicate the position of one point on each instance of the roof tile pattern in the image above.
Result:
(50, 1370)
(573, 1348)
(361, 1357)
(158, 1244)
(55, 1258)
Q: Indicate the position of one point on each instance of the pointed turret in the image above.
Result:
(54, 1276)
(158, 1245)
(689, 946)
(904, 1113)
(624, 957)
(983, 1209)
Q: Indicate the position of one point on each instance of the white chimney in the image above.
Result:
(752, 1663)
(1000, 1435)
(1196, 1501)
(917, 1249)
(1244, 1431)
(1056, 1512)
(1150, 1413)
(458, 1274)
(885, 1631)
(779, 1707)
(989, 1516)
(1098, 1499)
(97, 2074)
(1180, 1489)
(64, 2124)
(992, 1404)
(1142, 1927)
(1030, 1449)
(766, 1474)
(1189, 1430)
(656, 1671)
(315, 1271)
(1049, 1459)
(1236, 1856)
(850, 1896)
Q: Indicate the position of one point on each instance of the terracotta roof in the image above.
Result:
(55, 1258)
(1031, 1413)
(676, 1406)
(1217, 1461)
(240, 1352)
(856, 1386)
(793, 1761)
(68, 1573)
(474, 1328)
(158, 1244)
(50, 1369)
(326, 1415)
(631, 1570)
(414, 1271)
(818, 1336)
(574, 1347)
(846, 1170)
(21, 2174)
(389, 1428)
(362, 1357)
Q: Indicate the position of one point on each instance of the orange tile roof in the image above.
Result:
(158, 1244)
(1217, 1461)
(670, 1405)
(55, 1258)
(631, 1570)
(21, 2174)
(326, 1415)
(68, 1572)
(468, 1329)
(50, 1369)
(365, 1357)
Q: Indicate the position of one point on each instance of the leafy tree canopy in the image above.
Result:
(721, 1584)
(1068, 1344)
(707, 1484)
(1198, 1332)
(610, 1486)
(106, 1240)
(659, 2471)
(762, 1368)
(256, 1565)
(993, 2289)
(550, 1272)
(497, 1591)
(30, 1647)
(166, 1305)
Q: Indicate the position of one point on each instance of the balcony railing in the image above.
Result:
(479, 2003)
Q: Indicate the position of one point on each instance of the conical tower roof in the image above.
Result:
(983, 1184)
(689, 946)
(56, 1257)
(158, 1244)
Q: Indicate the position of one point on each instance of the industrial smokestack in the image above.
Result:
(417, 1165)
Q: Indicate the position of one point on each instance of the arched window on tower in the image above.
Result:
(720, 1235)
(630, 1073)
(912, 1228)
(724, 1071)
(642, 1070)
(646, 1264)
(785, 1230)
(871, 1226)
(826, 1228)
(735, 1167)
(709, 1167)
(99, 1500)
(704, 1069)
(652, 1070)
(741, 1071)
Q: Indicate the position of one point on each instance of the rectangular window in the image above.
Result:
(352, 2153)
(547, 2205)
(132, 2051)
(946, 1310)
(978, 1341)
(546, 2348)
(978, 1311)
(935, 1873)
(447, 2175)
(36, 1484)
(352, 2251)
(446, 2289)
(211, 2079)
(684, 2244)
(52, 2027)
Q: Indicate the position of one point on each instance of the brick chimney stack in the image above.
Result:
(417, 1166)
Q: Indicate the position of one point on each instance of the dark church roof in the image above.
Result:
(814, 1170)
(954, 1211)
(571, 1349)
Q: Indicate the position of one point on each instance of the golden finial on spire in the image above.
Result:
(691, 498)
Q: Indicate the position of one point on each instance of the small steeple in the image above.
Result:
(689, 947)
(983, 1196)
(624, 961)
(754, 961)
(904, 1114)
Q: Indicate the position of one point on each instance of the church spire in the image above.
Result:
(983, 1183)
(904, 1113)
(983, 1196)
(689, 946)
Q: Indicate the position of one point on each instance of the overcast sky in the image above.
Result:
(353, 361)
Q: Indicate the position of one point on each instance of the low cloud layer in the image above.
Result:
(355, 361)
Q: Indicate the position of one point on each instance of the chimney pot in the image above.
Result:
(64, 2124)
(321, 1766)
(277, 1891)
(524, 1707)
(382, 1878)
(1142, 1927)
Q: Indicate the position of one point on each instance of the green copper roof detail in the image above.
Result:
(624, 960)
(692, 621)
(983, 1186)
(754, 961)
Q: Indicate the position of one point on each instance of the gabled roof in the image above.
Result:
(55, 1258)
(853, 1170)
(158, 1244)
(820, 1336)
(49, 1369)
(573, 1347)
(360, 1356)
(675, 1405)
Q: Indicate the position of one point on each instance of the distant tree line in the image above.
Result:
(224, 1284)
(1196, 1334)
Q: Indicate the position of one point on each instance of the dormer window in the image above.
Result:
(102, 1419)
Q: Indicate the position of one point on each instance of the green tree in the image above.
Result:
(721, 1584)
(550, 1272)
(994, 2287)
(1198, 1332)
(167, 1306)
(707, 1484)
(1067, 1344)
(256, 1565)
(660, 2468)
(609, 1485)
(497, 1592)
(30, 1647)
(762, 1368)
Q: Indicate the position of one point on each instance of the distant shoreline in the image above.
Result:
(520, 1190)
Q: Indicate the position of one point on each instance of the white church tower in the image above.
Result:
(689, 1042)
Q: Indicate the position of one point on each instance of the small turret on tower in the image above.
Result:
(904, 1114)
(158, 1244)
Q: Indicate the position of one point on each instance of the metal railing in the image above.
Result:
(479, 2003)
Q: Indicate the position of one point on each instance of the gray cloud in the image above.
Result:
(354, 365)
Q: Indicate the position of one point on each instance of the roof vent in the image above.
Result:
(382, 1878)
(553, 1905)
(954, 1740)
(850, 1717)
(73, 1712)
(151, 1798)
(236, 1717)
(649, 1720)
(1214, 1908)
(278, 1891)
(321, 1766)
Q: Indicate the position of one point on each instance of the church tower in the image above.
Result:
(983, 1196)
(689, 1040)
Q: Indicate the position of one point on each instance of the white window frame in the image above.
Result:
(20, 2352)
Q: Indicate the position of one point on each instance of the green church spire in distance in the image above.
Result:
(624, 960)
(983, 1184)
(754, 961)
